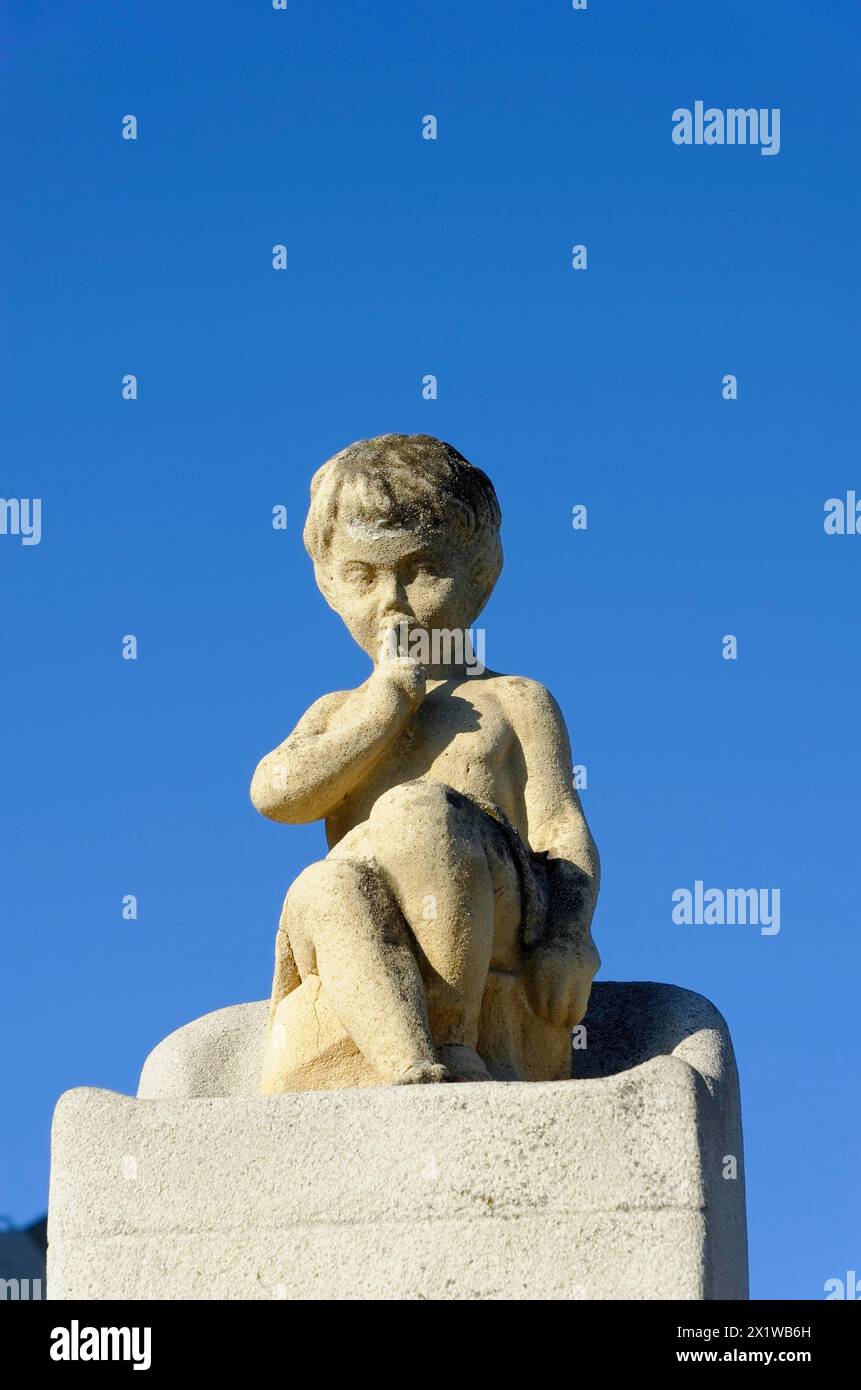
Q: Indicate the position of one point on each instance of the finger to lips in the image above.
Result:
(389, 644)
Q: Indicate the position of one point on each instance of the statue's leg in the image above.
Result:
(345, 927)
(457, 888)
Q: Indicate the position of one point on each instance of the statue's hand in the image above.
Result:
(402, 675)
(558, 980)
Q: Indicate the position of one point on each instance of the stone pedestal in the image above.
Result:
(617, 1184)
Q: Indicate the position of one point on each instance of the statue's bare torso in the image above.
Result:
(462, 736)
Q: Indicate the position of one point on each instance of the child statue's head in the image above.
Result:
(402, 528)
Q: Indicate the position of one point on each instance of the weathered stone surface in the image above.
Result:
(219, 1054)
(609, 1186)
(446, 936)
(335, 1144)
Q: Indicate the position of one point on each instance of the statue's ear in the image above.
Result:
(489, 587)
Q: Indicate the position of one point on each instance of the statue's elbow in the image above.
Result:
(278, 798)
(268, 793)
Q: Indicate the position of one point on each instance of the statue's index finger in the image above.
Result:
(389, 645)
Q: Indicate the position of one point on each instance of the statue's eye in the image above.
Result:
(359, 575)
(422, 570)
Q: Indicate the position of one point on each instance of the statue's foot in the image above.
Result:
(463, 1063)
(422, 1074)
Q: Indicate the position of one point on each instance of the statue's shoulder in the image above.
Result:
(520, 688)
(525, 700)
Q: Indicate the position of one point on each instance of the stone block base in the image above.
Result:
(609, 1186)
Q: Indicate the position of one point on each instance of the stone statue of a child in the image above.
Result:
(446, 935)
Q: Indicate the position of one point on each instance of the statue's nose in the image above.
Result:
(393, 595)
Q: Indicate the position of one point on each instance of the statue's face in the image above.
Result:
(381, 578)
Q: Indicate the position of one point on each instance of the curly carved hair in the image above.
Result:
(408, 482)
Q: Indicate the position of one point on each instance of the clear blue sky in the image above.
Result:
(603, 387)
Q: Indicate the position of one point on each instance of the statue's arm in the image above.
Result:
(332, 748)
(555, 820)
(558, 973)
